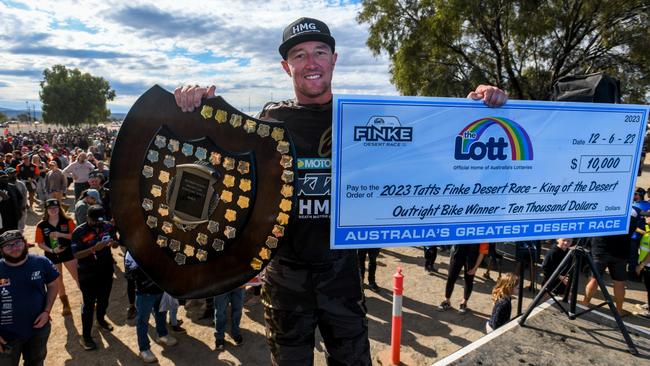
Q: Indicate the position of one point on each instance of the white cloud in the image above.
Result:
(137, 44)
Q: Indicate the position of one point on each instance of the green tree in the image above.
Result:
(3, 117)
(71, 97)
(447, 47)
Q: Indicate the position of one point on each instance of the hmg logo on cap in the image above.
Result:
(468, 145)
(304, 27)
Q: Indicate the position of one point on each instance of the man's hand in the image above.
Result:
(58, 250)
(491, 95)
(2, 343)
(189, 97)
(101, 245)
(54, 235)
(42, 319)
(472, 271)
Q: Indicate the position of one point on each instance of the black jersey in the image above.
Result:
(310, 127)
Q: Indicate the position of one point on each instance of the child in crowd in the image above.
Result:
(501, 297)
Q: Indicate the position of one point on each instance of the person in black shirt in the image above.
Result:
(11, 202)
(611, 252)
(148, 296)
(307, 285)
(469, 257)
(91, 243)
(552, 260)
(28, 172)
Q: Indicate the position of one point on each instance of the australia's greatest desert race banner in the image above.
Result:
(414, 171)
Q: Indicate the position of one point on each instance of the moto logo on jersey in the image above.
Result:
(314, 163)
(314, 184)
(383, 128)
(468, 144)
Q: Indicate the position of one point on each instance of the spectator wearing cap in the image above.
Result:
(53, 234)
(96, 181)
(29, 286)
(11, 203)
(79, 171)
(88, 198)
(91, 243)
(55, 182)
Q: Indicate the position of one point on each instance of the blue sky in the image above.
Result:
(136, 44)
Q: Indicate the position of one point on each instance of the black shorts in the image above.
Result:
(615, 265)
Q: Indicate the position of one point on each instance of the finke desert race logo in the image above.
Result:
(383, 131)
(468, 143)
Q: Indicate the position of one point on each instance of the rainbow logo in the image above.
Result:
(520, 146)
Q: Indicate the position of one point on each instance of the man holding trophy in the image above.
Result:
(308, 285)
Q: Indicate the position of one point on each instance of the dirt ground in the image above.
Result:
(549, 339)
(427, 336)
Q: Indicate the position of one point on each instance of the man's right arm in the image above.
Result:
(189, 97)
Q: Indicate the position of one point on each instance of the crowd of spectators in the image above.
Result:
(42, 164)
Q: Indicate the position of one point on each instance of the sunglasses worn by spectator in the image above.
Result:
(13, 244)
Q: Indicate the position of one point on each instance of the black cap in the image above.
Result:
(303, 30)
(11, 235)
(96, 212)
(52, 202)
(640, 191)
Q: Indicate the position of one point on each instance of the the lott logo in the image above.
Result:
(468, 143)
(383, 128)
